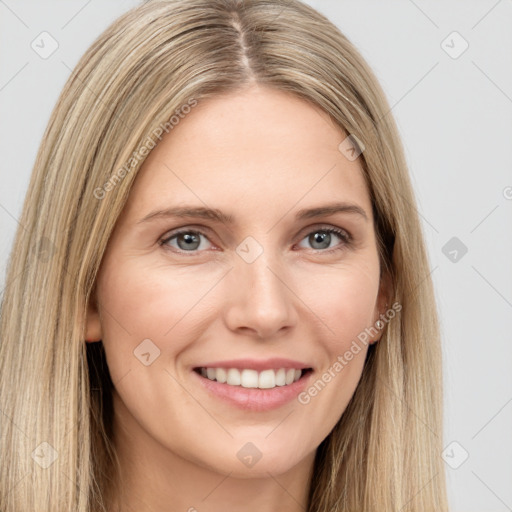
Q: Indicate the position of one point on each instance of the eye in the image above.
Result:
(189, 240)
(186, 240)
(321, 239)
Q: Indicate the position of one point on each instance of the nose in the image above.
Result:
(259, 298)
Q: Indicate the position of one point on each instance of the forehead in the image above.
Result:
(256, 150)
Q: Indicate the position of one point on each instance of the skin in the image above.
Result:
(260, 155)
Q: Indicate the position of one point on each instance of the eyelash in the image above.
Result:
(343, 235)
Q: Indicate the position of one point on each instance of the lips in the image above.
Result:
(252, 384)
(258, 365)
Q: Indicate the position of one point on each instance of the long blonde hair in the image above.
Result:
(384, 453)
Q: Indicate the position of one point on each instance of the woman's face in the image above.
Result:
(272, 288)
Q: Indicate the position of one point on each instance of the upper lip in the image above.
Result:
(258, 365)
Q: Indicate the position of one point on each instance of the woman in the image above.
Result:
(220, 296)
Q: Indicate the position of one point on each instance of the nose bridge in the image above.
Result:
(260, 297)
(261, 274)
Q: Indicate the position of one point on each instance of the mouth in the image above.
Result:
(253, 379)
(253, 384)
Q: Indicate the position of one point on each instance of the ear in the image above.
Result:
(92, 322)
(382, 304)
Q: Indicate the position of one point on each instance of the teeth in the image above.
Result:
(290, 376)
(249, 378)
(233, 378)
(281, 377)
(221, 375)
(266, 379)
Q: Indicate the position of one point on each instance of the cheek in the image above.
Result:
(139, 303)
(344, 297)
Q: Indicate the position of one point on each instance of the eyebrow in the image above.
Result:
(219, 216)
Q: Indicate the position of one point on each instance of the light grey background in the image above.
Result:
(454, 115)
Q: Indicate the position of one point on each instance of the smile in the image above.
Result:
(253, 384)
(249, 378)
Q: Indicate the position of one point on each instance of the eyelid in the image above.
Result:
(324, 227)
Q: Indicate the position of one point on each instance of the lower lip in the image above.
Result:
(255, 399)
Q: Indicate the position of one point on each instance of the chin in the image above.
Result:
(251, 462)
